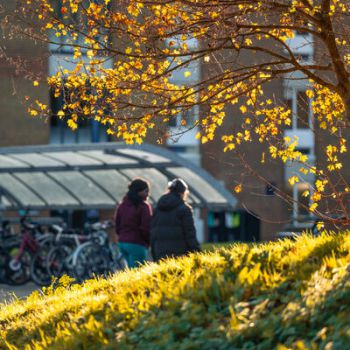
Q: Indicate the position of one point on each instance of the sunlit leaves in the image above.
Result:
(140, 63)
(238, 188)
(294, 179)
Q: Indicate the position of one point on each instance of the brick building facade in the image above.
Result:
(256, 197)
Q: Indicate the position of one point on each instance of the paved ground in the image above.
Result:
(7, 292)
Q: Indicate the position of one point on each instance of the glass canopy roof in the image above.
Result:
(96, 176)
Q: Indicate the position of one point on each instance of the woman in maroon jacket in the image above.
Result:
(132, 223)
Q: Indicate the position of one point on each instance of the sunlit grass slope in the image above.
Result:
(282, 295)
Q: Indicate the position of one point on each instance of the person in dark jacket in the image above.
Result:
(132, 223)
(172, 228)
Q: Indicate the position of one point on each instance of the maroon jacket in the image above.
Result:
(132, 224)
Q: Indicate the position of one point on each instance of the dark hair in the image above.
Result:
(178, 186)
(136, 185)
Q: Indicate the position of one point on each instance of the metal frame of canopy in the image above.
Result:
(95, 176)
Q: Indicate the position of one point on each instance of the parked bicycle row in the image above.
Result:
(40, 254)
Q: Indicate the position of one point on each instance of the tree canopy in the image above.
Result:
(126, 54)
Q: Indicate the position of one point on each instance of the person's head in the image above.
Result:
(179, 187)
(138, 190)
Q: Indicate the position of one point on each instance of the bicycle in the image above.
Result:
(60, 257)
(39, 268)
(8, 243)
(18, 266)
(96, 258)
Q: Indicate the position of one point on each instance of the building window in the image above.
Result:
(185, 118)
(88, 130)
(303, 110)
(302, 32)
(304, 150)
(298, 102)
(178, 149)
(300, 203)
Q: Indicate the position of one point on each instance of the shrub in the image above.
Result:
(279, 295)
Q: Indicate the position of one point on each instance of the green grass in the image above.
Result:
(279, 295)
(207, 247)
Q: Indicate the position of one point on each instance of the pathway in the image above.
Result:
(7, 292)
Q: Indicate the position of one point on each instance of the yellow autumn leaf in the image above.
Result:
(305, 193)
(72, 124)
(229, 147)
(313, 207)
(320, 226)
(310, 93)
(187, 74)
(204, 139)
(238, 188)
(304, 171)
(90, 53)
(243, 109)
(293, 179)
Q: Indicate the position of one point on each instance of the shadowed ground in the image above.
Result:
(7, 293)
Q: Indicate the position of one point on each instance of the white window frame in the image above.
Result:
(291, 93)
(296, 205)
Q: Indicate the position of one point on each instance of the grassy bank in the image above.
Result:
(281, 295)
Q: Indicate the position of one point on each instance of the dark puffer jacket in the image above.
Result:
(172, 228)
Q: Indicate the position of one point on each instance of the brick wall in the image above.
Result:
(16, 126)
(228, 168)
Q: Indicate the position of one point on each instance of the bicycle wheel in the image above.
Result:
(38, 265)
(122, 263)
(89, 261)
(58, 263)
(18, 271)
